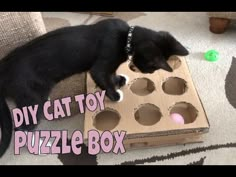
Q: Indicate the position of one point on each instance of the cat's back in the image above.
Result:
(79, 32)
(60, 45)
(71, 34)
(60, 33)
(117, 25)
(41, 47)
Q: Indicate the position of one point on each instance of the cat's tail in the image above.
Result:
(6, 126)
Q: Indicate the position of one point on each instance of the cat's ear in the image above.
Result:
(164, 65)
(179, 49)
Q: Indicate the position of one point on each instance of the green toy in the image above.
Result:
(211, 55)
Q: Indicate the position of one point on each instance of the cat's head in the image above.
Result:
(153, 54)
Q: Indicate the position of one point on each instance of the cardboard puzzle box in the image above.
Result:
(149, 100)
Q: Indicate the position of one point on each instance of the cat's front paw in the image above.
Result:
(113, 95)
(122, 80)
(121, 95)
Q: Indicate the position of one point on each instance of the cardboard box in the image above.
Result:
(144, 113)
(103, 13)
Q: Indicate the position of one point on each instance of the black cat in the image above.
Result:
(28, 73)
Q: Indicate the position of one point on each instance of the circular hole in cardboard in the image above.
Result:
(186, 110)
(142, 86)
(174, 62)
(148, 114)
(174, 86)
(106, 120)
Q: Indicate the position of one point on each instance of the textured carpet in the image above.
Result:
(215, 83)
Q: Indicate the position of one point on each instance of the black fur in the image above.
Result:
(152, 49)
(28, 73)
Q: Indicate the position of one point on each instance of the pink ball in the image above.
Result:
(177, 118)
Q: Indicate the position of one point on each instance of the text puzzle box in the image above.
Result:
(144, 113)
